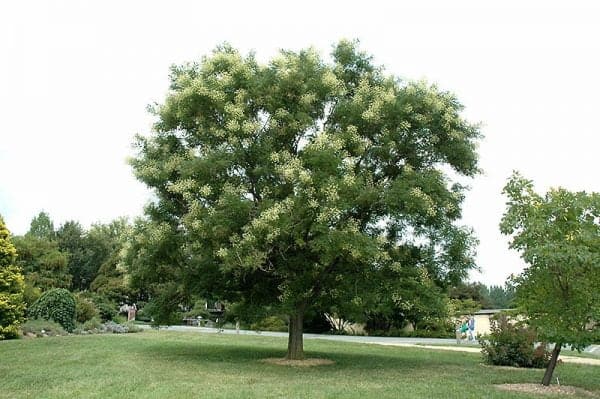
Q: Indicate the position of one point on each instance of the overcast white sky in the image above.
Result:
(76, 76)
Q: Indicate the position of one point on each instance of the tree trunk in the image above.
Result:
(552, 364)
(295, 339)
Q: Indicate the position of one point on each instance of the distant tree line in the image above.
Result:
(94, 264)
(87, 262)
(73, 258)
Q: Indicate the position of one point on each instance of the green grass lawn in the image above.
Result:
(190, 365)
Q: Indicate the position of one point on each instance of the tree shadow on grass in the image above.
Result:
(196, 352)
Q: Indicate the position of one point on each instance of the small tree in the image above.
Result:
(558, 236)
(12, 305)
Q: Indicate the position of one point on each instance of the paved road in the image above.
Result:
(594, 349)
(346, 338)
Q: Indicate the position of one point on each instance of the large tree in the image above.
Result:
(43, 264)
(71, 238)
(42, 227)
(558, 235)
(111, 279)
(90, 252)
(12, 305)
(296, 183)
(497, 296)
(40, 258)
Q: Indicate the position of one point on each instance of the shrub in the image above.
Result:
(133, 328)
(425, 334)
(58, 305)
(12, 305)
(112, 327)
(85, 309)
(120, 319)
(106, 309)
(161, 313)
(512, 344)
(142, 315)
(270, 323)
(31, 293)
(199, 309)
(42, 327)
(436, 328)
(93, 324)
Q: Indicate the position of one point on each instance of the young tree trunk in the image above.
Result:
(552, 364)
(295, 339)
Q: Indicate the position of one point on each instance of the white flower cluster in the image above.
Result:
(198, 88)
(197, 219)
(456, 134)
(373, 99)
(158, 234)
(250, 127)
(326, 141)
(331, 82)
(313, 203)
(184, 187)
(330, 192)
(349, 178)
(307, 99)
(281, 113)
(361, 143)
(234, 111)
(232, 125)
(418, 195)
(205, 190)
(329, 215)
(222, 253)
(291, 168)
(148, 170)
(174, 163)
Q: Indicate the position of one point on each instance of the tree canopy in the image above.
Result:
(302, 183)
(42, 227)
(558, 236)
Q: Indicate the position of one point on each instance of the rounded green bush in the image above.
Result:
(57, 304)
(512, 344)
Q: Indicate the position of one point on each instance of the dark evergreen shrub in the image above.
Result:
(56, 304)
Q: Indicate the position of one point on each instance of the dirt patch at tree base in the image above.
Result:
(298, 363)
(549, 390)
